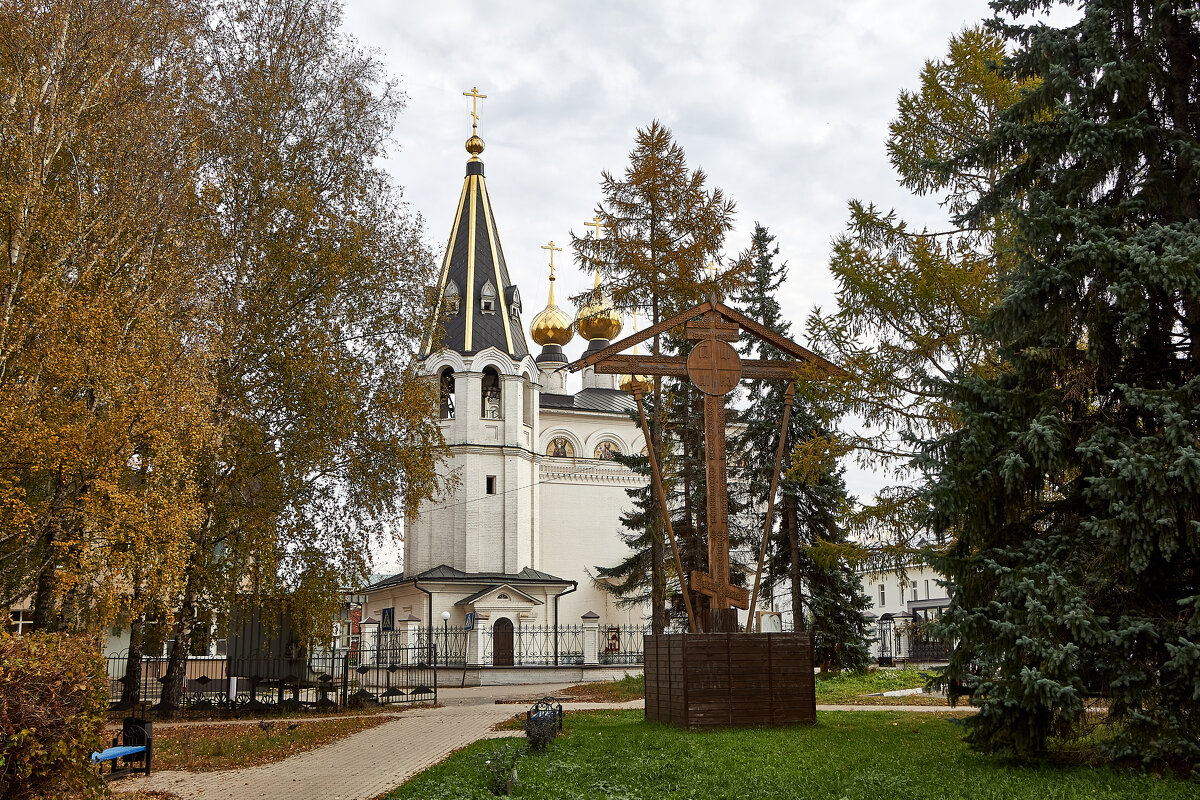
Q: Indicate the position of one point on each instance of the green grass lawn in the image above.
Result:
(878, 755)
(847, 685)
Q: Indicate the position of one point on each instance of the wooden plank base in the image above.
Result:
(730, 680)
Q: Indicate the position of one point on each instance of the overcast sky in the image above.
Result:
(785, 105)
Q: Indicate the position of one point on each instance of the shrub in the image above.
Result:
(541, 730)
(53, 695)
(499, 769)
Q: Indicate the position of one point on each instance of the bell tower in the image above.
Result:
(489, 388)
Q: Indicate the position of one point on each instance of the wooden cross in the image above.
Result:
(715, 368)
(475, 98)
(551, 248)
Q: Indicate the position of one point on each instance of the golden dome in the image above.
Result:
(474, 145)
(627, 382)
(598, 319)
(552, 325)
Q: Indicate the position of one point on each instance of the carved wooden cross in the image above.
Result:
(715, 368)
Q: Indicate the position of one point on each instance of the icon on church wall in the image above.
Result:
(605, 451)
(560, 447)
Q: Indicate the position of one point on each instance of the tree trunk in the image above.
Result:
(658, 581)
(181, 642)
(791, 525)
(45, 616)
(131, 688)
(45, 607)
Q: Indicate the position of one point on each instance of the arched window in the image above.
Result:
(446, 390)
(527, 406)
(487, 298)
(452, 299)
(490, 394)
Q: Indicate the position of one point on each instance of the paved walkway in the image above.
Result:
(367, 764)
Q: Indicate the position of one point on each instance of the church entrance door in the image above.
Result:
(502, 643)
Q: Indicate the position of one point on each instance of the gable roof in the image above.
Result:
(466, 601)
(442, 572)
(782, 343)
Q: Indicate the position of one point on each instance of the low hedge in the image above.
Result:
(53, 695)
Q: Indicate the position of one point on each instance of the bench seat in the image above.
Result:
(113, 753)
(135, 746)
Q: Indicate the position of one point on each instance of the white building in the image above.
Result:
(901, 600)
(539, 497)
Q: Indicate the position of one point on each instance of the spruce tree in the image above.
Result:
(1071, 488)
(826, 597)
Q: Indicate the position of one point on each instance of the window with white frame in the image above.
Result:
(20, 622)
(882, 596)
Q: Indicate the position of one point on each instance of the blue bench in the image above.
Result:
(136, 747)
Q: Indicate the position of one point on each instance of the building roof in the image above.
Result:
(446, 573)
(474, 262)
(466, 601)
(612, 401)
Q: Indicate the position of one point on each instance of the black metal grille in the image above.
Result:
(539, 645)
(319, 682)
(622, 644)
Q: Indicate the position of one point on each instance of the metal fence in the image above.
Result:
(451, 644)
(321, 681)
(622, 644)
(533, 645)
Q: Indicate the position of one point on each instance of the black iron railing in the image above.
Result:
(622, 644)
(321, 681)
(536, 645)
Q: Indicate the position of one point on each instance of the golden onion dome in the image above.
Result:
(474, 145)
(598, 319)
(627, 381)
(551, 325)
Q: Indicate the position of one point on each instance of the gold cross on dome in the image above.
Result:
(475, 98)
(712, 270)
(551, 248)
(595, 223)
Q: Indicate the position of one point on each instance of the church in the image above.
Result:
(539, 497)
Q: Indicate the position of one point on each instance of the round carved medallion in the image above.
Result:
(714, 366)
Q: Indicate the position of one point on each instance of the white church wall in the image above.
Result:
(581, 505)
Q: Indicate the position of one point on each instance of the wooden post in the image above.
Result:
(656, 480)
(788, 398)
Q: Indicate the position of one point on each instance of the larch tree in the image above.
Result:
(1070, 488)
(825, 594)
(660, 228)
(908, 299)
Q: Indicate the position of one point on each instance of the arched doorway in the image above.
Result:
(502, 643)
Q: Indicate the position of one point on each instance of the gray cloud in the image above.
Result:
(785, 105)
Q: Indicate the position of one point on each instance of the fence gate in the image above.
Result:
(886, 633)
